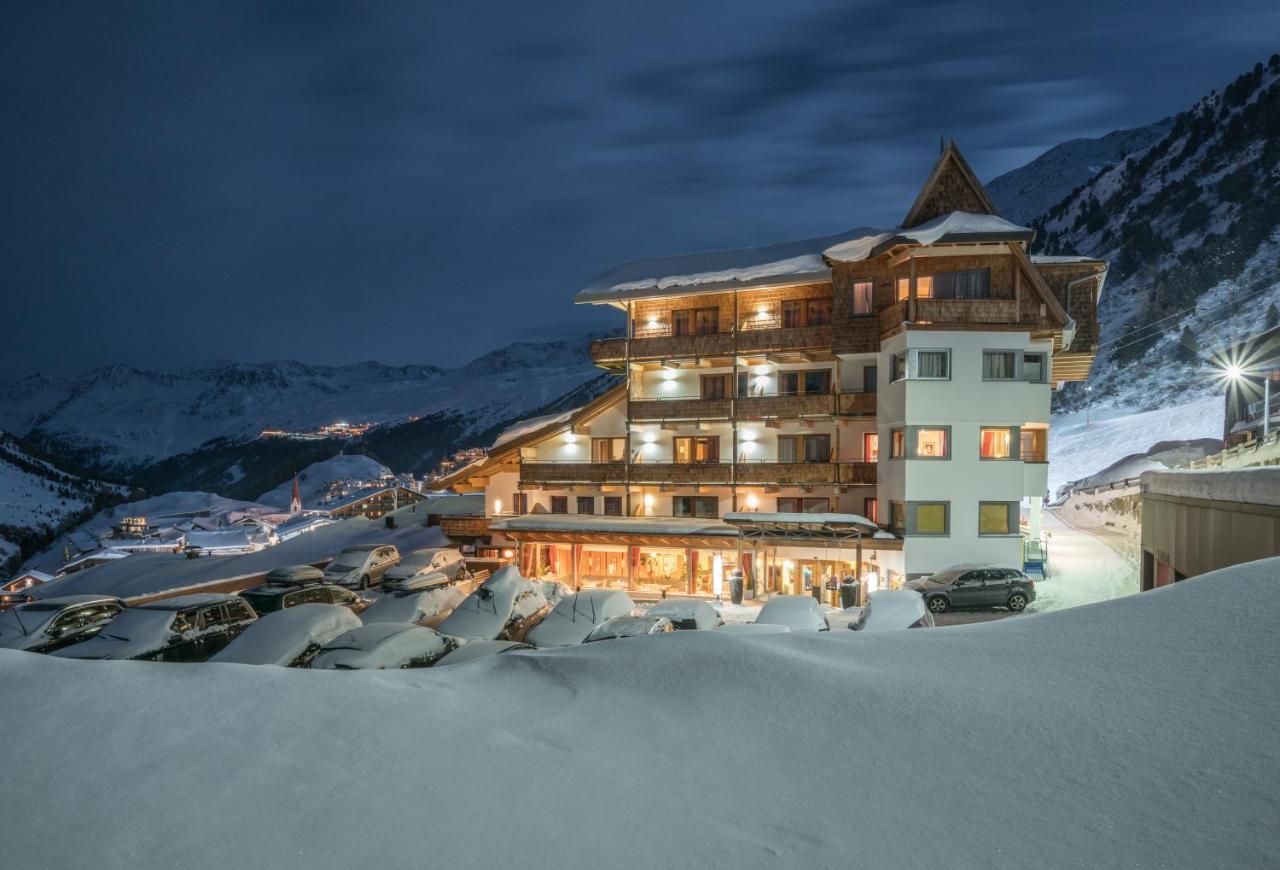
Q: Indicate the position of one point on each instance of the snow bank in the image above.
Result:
(1249, 485)
(1133, 733)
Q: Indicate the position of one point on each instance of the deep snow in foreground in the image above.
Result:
(1137, 732)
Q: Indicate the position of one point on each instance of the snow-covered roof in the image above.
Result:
(1244, 485)
(106, 555)
(1055, 259)
(956, 226)
(466, 505)
(531, 425)
(614, 525)
(228, 539)
(777, 265)
(808, 520)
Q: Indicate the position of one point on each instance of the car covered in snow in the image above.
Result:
(504, 607)
(753, 628)
(189, 628)
(383, 645)
(796, 612)
(270, 597)
(687, 614)
(420, 608)
(975, 587)
(294, 575)
(424, 569)
(361, 566)
(54, 623)
(290, 637)
(479, 649)
(574, 617)
(630, 626)
(892, 609)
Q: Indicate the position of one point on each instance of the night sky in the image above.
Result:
(423, 182)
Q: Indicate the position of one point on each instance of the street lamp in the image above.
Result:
(1234, 374)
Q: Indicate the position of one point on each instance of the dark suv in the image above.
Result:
(270, 597)
(189, 628)
(975, 587)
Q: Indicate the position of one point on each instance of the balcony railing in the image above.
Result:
(978, 311)
(785, 338)
(535, 471)
(786, 472)
(679, 409)
(681, 472)
(465, 527)
(795, 473)
(813, 405)
(856, 404)
(607, 350)
(858, 473)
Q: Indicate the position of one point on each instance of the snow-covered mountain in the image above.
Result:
(1191, 225)
(1029, 191)
(118, 418)
(37, 499)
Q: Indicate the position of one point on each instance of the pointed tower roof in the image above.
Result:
(295, 503)
(951, 186)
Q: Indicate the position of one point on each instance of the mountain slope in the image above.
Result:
(115, 419)
(1029, 191)
(1191, 226)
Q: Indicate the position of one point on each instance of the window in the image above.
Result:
(871, 508)
(924, 286)
(608, 449)
(804, 448)
(1035, 445)
(863, 301)
(870, 446)
(715, 386)
(707, 507)
(928, 518)
(930, 442)
(803, 505)
(586, 504)
(743, 385)
(999, 365)
(697, 449)
(817, 382)
(998, 518)
(967, 284)
(904, 289)
(897, 516)
(998, 442)
(804, 383)
(696, 321)
(521, 502)
(931, 365)
(869, 374)
(898, 444)
(898, 366)
(613, 505)
(559, 504)
(817, 312)
(792, 313)
(1034, 370)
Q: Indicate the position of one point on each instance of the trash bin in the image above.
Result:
(735, 588)
(848, 595)
(816, 589)
(390, 521)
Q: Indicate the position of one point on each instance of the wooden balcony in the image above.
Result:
(962, 311)
(856, 404)
(608, 351)
(858, 473)
(682, 346)
(786, 407)
(679, 409)
(786, 472)
(681, 472)
(790, 338)
(532, 471)
(465, 528)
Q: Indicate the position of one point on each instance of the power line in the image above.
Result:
(1136, 337)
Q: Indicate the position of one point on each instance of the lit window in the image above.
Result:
(863, 297)
(997, 518)
(997, 443)
(870, 446)
(1035, 445)
(924, 286)
(904, 289)
(930, 444)
(898, 444)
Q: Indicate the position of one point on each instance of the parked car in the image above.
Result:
(270, 597)
(54, 623)
(423, 569)
(478, 649)
(630, 626)
(362, 566)
(753, 628)
(687, 614)
(504, 607)
(574, 617)
(419, 608)
(975, 587)
(288, 638)
(383, 645)
(294, 575)
(189, 628)
(893, 609)
(796, 612)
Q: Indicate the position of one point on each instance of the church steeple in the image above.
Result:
(295, 505)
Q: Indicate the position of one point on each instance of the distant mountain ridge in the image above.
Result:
(1029, 191)
(117, 418)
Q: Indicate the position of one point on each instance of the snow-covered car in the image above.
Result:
(893, 609)
(630, 626)
(796, 612)
(270, 597)
(687, 614)
(54, 623)
(504, 607)
(290, 637)
(753, 628)
(975, 587)
(424, 569)
(416, 607)
(189, 628)
(555, 591)
(383, 645)
(294, 575)
(479, 649)
(362, 566)
(574, 617)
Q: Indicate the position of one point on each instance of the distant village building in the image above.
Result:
(25, 580)
(373, 502)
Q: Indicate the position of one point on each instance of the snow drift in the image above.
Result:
(1137, 732)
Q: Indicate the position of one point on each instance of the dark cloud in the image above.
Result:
(423, 182)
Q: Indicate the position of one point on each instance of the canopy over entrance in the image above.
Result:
(826, 527)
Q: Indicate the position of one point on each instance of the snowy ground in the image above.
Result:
(1081, 445)
(1132, 733)
(1083, 569)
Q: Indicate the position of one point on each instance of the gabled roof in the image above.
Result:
(951, 186)
(952, 228)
